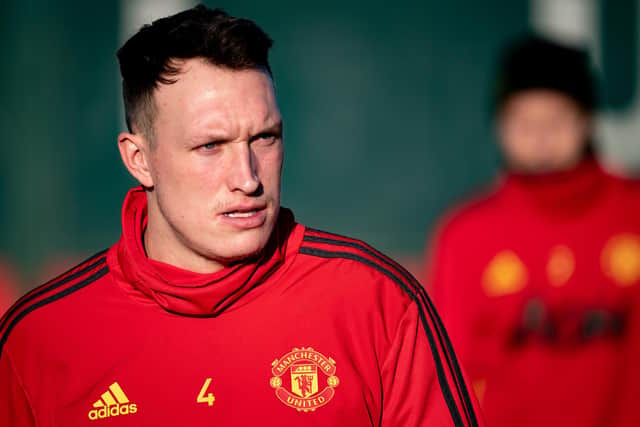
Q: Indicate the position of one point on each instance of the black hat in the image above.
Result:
(537, 63)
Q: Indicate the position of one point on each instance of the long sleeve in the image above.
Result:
(440, 276)
(15, 408)
(422, 384)
(456, 296)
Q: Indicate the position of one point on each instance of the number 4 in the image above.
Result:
(209, 398)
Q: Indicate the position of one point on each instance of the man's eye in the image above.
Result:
(210, 146)
(266, 137)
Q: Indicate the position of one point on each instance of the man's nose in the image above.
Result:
(243, 174)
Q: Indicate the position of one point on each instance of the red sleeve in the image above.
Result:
(457, 303)
(15, 408)
(420, 385)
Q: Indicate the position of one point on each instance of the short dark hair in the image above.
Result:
(535, 62)
(149, 56)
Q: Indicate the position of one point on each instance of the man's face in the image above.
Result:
(542, 131)
(216, 163)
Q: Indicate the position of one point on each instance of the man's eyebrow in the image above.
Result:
(221, 136)
(275, 127)
(210, 135)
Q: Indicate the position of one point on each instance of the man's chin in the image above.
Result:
(231, 260)
(240, 245)
(237, 252)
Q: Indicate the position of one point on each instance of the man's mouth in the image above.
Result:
(241, 214)
(245, 217)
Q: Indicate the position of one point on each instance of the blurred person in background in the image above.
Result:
(537, 280)
(216, 307)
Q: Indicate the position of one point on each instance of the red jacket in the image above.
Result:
(538, 284)
(319, 330)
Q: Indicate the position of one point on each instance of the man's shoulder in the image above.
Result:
(472, 212)
(630, 184)
(349, 265)
(45, 309)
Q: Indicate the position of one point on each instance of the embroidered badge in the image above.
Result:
(304, 379)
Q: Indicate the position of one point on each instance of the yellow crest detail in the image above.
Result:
(561, 265)
(304, 379)
(504, 275)
(307, 369)
(620, 259)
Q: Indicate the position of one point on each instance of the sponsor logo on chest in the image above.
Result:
(112, 403)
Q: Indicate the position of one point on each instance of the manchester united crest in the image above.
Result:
(304, 379)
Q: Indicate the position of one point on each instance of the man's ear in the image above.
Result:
(134, 151)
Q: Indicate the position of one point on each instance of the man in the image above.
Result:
(215, 307)
(538, 280)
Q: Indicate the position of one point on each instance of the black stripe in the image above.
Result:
(442, 379)
(435, 317)
(71, 289)
(43, 289)
(452, 360)
(456, 365)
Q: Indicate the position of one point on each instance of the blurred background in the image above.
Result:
(386, 110)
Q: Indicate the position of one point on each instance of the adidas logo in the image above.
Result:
(112, 403)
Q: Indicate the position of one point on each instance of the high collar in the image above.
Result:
(194, 294)
(562, 194)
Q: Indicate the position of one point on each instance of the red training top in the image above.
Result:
(318, 330)
(538, 285)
